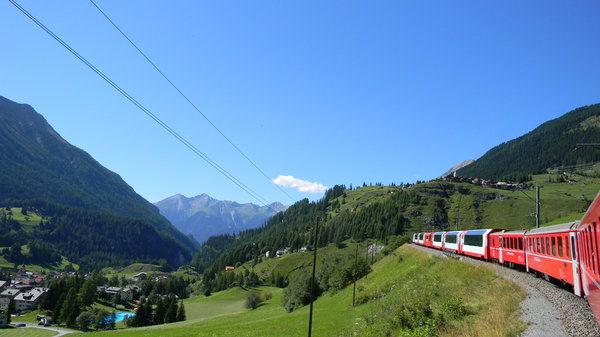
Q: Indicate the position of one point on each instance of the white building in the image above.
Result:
(30, 300)
(6, 296)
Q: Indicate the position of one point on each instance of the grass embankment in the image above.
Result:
(26, 332)
(408, 293)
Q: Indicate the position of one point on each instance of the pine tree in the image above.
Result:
(159, 312)
(70, 309)
(180, 313)
(87, 293)
(171, 310)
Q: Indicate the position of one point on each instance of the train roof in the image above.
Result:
(505, 232)
(554, 228)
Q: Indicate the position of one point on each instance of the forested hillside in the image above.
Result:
(92, 239)
(384, 212)
(552, 144)
(37, 163)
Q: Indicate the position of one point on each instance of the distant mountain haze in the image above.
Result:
(36, 163)
(203, 216)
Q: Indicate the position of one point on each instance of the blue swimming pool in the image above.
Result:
(119, 316)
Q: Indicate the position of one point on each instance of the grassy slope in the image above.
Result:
(392, 282)
(26, 332)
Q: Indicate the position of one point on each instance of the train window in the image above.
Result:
(548, 245)
(538, 247)
(553, 245)
(567, 250)
(451, 238)
(501, 242)
(560, 246)
(437, 238)
(474, 240)
(530, 244)
(521, 244)
(594, 247)
(573, 252)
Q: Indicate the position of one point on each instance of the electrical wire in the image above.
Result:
(189, 101)
(151, 115)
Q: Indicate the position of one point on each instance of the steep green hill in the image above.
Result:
(39, 168)
(550, 145)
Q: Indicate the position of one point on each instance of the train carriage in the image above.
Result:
(450, 242)
(428, 240)
(588, 237)
(551, 251)
(475, 242)
(438, 240)
(507, 247)
(420, 238)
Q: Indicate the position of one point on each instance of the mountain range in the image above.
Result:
(39, 167)
(203, 216)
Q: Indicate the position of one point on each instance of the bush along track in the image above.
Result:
(423, 295)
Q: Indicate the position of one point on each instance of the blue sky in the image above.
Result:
(328, 92)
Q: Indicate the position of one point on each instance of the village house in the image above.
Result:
(30, 300)
(3, 285)
(284, 251)
(125, 293)
(6, 296)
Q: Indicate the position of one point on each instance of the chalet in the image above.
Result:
(126, 293)
(6, 296)
(284, 251)
(137, 277)
(303, 249)
(30, 300)
(229, 268)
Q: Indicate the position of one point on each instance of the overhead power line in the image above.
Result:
(189, 101)
(180, 138)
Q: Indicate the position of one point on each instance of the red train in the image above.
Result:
(567, 252)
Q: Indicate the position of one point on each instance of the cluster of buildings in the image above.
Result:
(484, 182)
(284, 251)
(24, 298)
(124, 293)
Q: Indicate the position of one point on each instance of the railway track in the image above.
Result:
(548, 309)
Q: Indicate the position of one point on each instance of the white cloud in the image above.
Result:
(299, 184)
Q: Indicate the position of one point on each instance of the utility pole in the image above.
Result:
(312, 283)
(355, 266)
(537, 207)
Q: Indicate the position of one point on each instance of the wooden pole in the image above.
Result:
(312, 283)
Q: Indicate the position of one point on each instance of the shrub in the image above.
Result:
(253, 300)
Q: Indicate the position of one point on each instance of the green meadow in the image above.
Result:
(407, 293)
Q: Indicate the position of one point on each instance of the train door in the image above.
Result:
(500, 245)
(575, 260)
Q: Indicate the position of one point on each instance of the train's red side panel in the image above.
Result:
(508, 247)
(428, 241)
(549, 252)
(588, 238)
